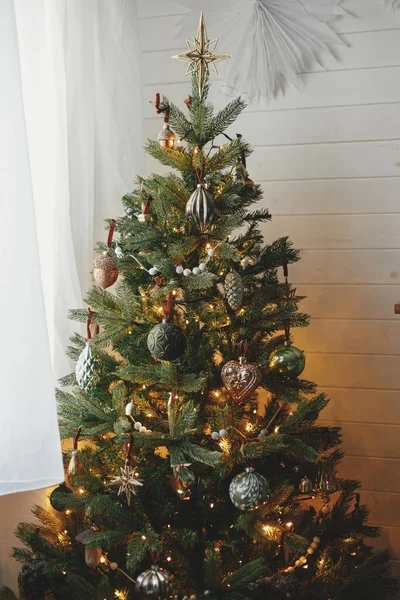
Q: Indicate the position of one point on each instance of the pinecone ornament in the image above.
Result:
(32, 580)
(87, 369)
(234, 290)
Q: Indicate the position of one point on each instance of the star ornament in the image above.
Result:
(127, 482)
(201, 55)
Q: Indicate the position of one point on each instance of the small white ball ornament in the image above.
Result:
(222, 432)
(137, 425)
(202, 267)
(196, 271)
(153, 271)
(210, 252)
(215, 435)
(113, 566)
(187, 272)
(179, 270)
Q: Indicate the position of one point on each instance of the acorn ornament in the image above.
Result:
(234, 290)
(200, 208)
(241, 378)
(248, 490)
(153, 583)
(287, 360)
(92, 554)
(166, 137)
(105, 271)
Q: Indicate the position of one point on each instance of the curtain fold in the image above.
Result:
(70, 116)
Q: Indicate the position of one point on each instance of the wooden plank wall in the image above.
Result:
(328, 157)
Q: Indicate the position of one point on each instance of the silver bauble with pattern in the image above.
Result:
(153, 583)
(248, 490)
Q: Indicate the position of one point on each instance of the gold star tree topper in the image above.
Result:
(201, 55)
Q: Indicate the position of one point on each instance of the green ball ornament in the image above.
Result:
(288, 361)
(248, 490)
(166, 341)
(57, 497)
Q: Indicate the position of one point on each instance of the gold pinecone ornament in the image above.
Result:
(234, 290)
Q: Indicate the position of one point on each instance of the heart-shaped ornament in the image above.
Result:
(240, 378)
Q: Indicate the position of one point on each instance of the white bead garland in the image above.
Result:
(302, 561)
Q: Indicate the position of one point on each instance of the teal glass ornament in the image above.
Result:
(287, 360)
(248, 490)
(166, 341)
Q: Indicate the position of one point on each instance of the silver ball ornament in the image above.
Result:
(215, 435)
(222, 432)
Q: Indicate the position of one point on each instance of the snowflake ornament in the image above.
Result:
(127, 482)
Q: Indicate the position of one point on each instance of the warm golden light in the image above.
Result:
(103, 560)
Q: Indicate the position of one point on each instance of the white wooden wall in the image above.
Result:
(328, 158)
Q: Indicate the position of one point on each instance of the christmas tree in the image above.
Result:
(197, 469)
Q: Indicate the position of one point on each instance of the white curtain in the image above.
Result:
(70, 146)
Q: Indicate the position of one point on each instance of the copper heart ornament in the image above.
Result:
(240, 378)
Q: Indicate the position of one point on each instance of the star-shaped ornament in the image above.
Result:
(201, 55)
(127, 482)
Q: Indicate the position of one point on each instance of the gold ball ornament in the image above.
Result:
(105, 271)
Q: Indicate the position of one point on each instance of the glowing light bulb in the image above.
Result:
(81, 490)
(169, 558)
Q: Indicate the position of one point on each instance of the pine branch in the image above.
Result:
(226, 117)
